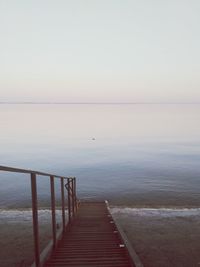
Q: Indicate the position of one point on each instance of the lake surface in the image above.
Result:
(131, 154)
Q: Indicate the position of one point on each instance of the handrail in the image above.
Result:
(11, 169)
(72, 205)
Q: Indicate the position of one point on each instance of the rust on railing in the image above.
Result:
(72, 205)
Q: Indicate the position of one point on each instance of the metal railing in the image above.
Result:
(71, 201)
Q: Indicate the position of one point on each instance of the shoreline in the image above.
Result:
(160, 237)
(111, 205)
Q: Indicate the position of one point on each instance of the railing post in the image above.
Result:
(35, 219)
(63, 202)
(69, 199)
(76, 204)
(72, 182)
(53, 210)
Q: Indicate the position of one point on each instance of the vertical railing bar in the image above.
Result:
(71, 194)
(76, 207)
(69, 200)
(63, 202)
(73, 208)
(35, 219)
(74, 195)
(53, 210)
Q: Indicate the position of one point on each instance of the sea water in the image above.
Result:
(134, 155)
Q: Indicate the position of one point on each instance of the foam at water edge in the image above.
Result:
(25, 215)
(45, 214)
(159, 212)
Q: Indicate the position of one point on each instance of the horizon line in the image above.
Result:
(91, 103)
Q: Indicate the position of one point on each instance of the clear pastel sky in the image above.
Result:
(100, 50)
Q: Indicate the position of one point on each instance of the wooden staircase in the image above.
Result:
(92, 239)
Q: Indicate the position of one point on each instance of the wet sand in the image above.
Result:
(16, 234)
(161, 239)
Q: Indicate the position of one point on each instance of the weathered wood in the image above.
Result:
(91, 240)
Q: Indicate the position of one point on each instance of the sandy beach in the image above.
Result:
(161, 237)
(16, 240)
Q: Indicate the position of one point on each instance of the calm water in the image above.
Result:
(135, 155)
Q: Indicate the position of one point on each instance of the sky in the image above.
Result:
(100, 50)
